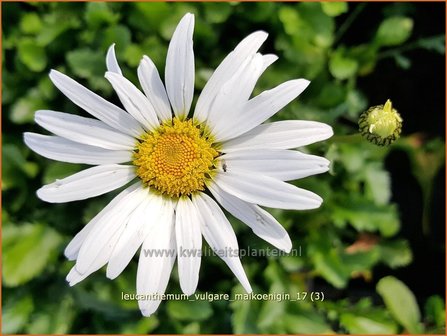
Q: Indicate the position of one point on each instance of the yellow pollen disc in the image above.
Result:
(176, 159)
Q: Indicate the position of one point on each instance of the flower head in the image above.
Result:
(183, 164)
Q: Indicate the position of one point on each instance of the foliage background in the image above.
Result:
(383, 211)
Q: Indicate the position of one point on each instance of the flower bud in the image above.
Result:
(381, 124)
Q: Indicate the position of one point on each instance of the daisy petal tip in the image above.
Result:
(304, 82)
(41, 194)
(146, 312)
(111, 61)
(247, 288)
(187, 22)
(55, 75)
(27, 137)
(260, 34)
(110, 274)
(188, 290)
(286, 246)
(69, 254)
(329, 131)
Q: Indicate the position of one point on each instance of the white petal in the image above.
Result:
(263, 224)
(179, 72)
(280, 135)
(74, 276)
(233, 95)
(189, 245)
(140, 224)
(99, 244)
(98, 107)
(229, 66)
(87, 131)
(87, 183)
(157, 258)
(154, 89)
(134, 101)
(266, 191)
(60, 149)
(111, 62)
(72, 249)
(219, 234)
(268, 59)
(262, 107)
(284, 165)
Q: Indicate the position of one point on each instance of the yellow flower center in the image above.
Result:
(176, 159)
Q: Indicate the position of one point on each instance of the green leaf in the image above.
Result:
(271, 310)
(435, 43)
(435, 311)
(23, 110)
(16, 313)
(306, 323)
(149, 16)
(32, 55)
(53, 318)
(133, 54)
(394, 31)
(118, 34)
(341, 66)
(378, 184)
(356, 102)
(32, 248)
(143, 326)
(14, 162)
(290, 20)
(217, 12)
(395, 253)
(189, 310)
(367, 324)
(31, 23)
(366, 216)
(331, 95)
(98, 13)
(334, 8)
(321, 25)
(327, 259)
(402, 61)
(86, 63)
(361, 261)
(54, 25)
(401, 303)
(244, 317)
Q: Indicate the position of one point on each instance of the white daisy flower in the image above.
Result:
(179, 161)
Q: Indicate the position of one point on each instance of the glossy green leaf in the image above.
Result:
(368, 324)
(306, 323)
(401, 303)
